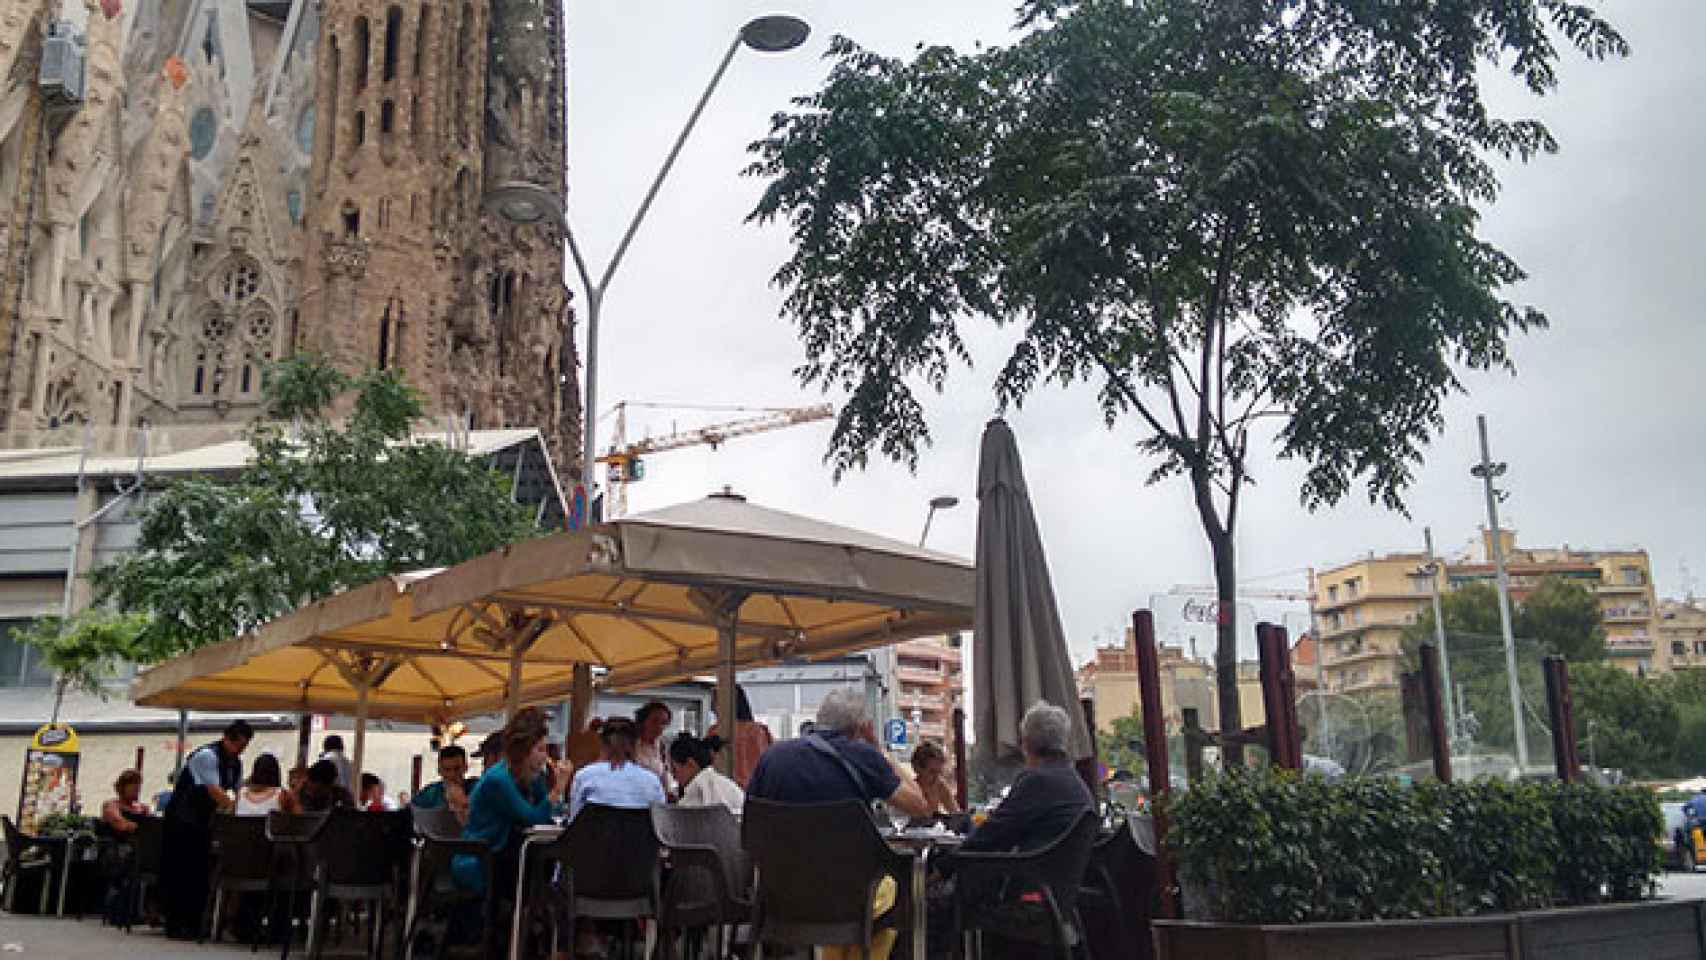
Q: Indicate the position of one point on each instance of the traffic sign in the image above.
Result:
(894, 731)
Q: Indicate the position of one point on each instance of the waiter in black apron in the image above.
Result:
(206, 785)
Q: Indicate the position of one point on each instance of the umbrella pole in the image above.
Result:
(580, 704)
(514, 700)
(360, 736)
(727, 722)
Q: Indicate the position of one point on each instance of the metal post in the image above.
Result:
(595, 292)
(183, 735)
(1436, 718)
(961, 794)
(1320, 665)
(727, 722)
(360, 736)
(512, 698)
(1487, 470)
(304, 730)
(1434, 570)
(1561, 714)
(1273, 711)
(1288, 699)
(1154, 747)
(580, 703)
(414, 775)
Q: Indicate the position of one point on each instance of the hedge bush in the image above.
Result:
(1275, 846)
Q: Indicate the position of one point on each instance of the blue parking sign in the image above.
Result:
(895, 732)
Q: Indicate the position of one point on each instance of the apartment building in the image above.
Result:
(929, 683)
(1362, 607)
(1682, 633)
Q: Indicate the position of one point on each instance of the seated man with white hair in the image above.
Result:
(1047, 798)
(840, 760)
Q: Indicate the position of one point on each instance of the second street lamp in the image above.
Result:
(530, 203)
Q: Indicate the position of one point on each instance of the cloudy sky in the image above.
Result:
(1601, 426)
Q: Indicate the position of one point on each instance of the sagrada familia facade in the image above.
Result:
(191, 188)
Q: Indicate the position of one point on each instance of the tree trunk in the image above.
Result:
(1226, 644)
(58, 698)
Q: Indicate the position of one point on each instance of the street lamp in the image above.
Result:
(530, 203)
(1487, 471)
(936, 503)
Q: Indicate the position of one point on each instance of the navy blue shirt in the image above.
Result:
(794, 771)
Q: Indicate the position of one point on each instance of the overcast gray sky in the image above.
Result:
(1600, 426)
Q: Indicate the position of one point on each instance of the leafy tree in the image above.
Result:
(1565, 617)
(1634, 721)
(1239, 220)
(326, 505)
(1122, 747)
(85, 650)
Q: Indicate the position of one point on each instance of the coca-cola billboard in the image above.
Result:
(1189, 621)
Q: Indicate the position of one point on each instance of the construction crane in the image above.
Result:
(624, 464)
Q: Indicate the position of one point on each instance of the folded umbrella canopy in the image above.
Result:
(1019, 649)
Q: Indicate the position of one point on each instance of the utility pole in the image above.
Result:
(1434, 567)
(1486, 471)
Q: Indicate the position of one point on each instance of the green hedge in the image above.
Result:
(1273, 846)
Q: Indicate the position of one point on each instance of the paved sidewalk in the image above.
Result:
(38, 937)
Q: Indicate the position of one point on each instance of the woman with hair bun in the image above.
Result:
(691, 759)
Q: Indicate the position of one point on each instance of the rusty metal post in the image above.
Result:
(1434, 703)
(1154, 719)
(1288, 698)
(1410, 696)
(141, 755)
(1087, 765)
(960, 792)
(414, 774)
(1561, 713)
(1272, 712)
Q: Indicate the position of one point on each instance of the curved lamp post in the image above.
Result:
(530, 203)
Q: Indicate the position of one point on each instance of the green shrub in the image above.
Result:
(1605, 842)
(1274, 846)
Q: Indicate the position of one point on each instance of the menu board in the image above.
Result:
(50, 776)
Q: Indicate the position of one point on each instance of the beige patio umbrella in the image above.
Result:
(362, 653)
(700, 587)
(707, 586)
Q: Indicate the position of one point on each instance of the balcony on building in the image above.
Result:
(1628, 646)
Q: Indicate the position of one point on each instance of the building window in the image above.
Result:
(1351, 586)
(1633, 577)
(1333, 593)
(1421, 583)
(204, 129)
(1677, 649)
(360, 54)
(1700, 648)
(393, 38)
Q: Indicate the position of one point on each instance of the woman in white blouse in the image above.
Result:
(690, 759)
(264, 793)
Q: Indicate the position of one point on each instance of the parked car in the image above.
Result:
(1680, 851)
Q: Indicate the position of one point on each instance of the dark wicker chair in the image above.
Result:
(292, 836)
(436, 894)
(25, 857)
(243, 863)
(818, 867)
(1026, 898)
(150, 841)
(354, 863)
(1116, 900)
(709, 884)
(605, 866)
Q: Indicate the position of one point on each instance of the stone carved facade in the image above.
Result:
(304, 176)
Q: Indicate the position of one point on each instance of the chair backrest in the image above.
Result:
(244, 851)
(354, 849)
(818, 865)
(1127, 878)
(294, 827)
(708, 826)
(611, 853)
(437, 823)
(1060, 866)
(150, 840)
(15, 842)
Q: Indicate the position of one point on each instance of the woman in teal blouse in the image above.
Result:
(505, 803)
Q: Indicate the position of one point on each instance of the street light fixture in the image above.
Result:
(524, 203)
(944, 502)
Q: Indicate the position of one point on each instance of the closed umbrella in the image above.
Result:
(1019, 649)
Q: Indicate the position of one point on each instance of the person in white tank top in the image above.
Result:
(263, 793)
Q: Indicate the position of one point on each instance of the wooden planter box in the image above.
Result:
(1652, 930)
